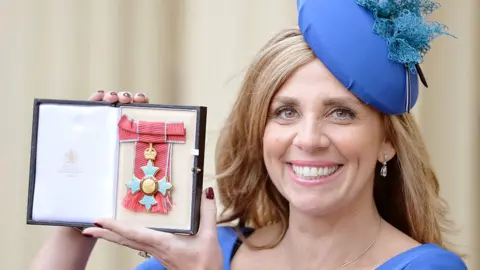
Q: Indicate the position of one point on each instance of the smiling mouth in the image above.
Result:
(309, 172)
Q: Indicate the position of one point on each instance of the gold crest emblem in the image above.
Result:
(150, 153)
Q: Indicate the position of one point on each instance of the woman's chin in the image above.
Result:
(314, 205)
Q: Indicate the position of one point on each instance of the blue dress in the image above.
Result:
(423, 257)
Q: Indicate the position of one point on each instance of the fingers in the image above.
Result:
(115, 238)
(125, 97)
(97, 96)
(134, 233)
(121, 97)
(140, 98)
(110, 97)
(208, 213)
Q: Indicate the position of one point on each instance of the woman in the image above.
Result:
(319, 162)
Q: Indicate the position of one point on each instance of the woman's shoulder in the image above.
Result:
(227, 238)
(425, 257)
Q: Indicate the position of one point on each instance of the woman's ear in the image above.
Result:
(387, 152)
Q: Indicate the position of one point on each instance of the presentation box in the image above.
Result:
(138, 163)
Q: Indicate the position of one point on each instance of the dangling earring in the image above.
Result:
(383, 171)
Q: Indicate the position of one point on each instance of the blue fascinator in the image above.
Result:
(373, 47)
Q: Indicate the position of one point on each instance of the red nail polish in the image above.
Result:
(97, 225)
(210, 195)
(87, 235)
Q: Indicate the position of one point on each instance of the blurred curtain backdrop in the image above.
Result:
(195, 52)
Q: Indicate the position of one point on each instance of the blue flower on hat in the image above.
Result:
(403, 25)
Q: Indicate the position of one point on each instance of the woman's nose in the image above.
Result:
(310, 137)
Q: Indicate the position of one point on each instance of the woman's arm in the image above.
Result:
(66, 249)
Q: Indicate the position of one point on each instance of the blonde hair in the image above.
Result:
(408, 197)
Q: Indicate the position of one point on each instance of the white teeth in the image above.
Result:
(314, 171)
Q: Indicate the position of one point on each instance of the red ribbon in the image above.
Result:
(161, 135)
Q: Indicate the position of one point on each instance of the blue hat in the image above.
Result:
(373, 47)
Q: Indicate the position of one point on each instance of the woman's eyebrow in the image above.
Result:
(341, 101)
(286, 100)
(327, 102)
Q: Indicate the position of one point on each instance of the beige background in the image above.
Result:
(68, 49)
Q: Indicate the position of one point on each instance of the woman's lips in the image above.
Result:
(310, 173)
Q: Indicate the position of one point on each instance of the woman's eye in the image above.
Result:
(286, 112)
(343, 114)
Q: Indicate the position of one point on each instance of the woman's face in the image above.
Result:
(321, 144)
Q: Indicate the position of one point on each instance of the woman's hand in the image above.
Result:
(200, 251)
(121, 97)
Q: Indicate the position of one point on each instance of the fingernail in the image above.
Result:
(87, 235)
(113, 94)
(100, 91)
(97, 225)
(209, 193)
(126, 95)
(140, 95)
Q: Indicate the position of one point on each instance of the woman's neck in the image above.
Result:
(330, 241)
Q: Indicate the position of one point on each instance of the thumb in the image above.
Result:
(208, 211)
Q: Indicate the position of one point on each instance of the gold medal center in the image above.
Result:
(149, 186)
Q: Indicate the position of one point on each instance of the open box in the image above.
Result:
(139, 163)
